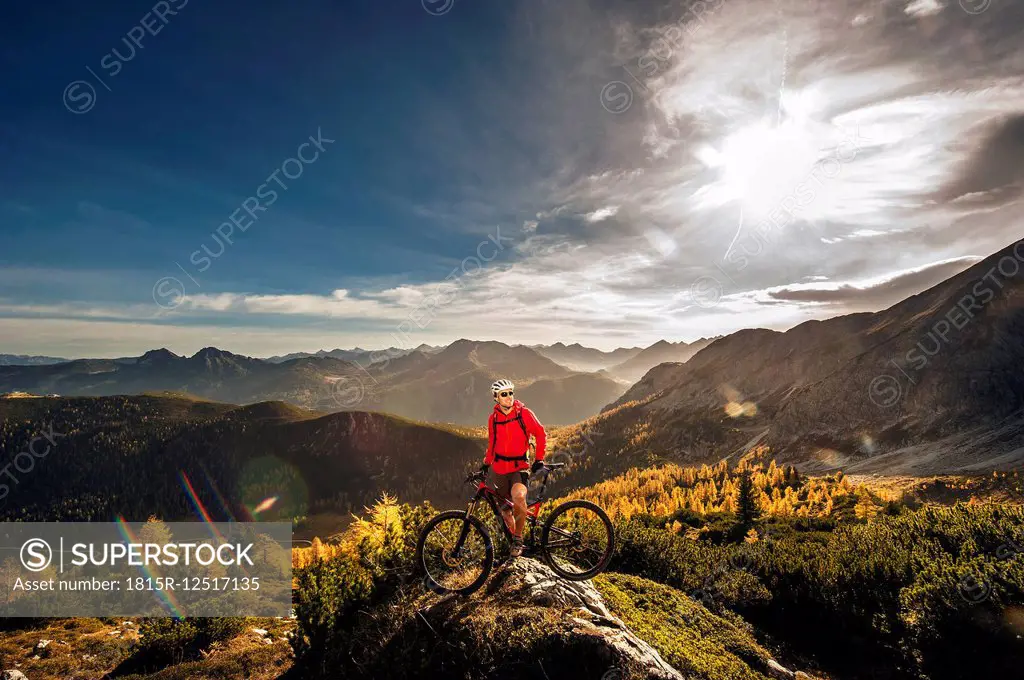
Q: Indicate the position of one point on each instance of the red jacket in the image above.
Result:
(508, 435)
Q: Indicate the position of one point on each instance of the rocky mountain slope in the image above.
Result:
(838, 392)
(660, 352)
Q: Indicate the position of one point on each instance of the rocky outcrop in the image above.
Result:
(588, 629)
(533, 582)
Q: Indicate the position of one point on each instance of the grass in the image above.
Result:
(79, 648)
(246, 656)
(88, 648)
(696, 642)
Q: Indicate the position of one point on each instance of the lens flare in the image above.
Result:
(165, 597)
(830, 457)
(268, 477)
(264, 505)
(218, 495)
(200, 508)
(867, 443)
(735, 409)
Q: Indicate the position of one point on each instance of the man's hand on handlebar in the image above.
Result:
(479, 475)
(542, 466)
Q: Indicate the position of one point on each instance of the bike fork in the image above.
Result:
(465, 529)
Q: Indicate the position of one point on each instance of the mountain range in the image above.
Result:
(580, 358)
(447, 385)
(26, 360)
(453, 385)
(934, 383)
(357, 354)
(438, 384)
(210, 373)
(635, 367)
(624, 364)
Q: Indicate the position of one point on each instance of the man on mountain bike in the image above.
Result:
(508, 440)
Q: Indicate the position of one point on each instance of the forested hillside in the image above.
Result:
(137, 456)
(778, 491)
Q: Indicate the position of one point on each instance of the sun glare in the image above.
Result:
(762, 162)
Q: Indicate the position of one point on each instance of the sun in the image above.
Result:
(762, 162)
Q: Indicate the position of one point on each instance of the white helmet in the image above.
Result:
(500, 386)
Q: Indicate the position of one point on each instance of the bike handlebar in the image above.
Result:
(479, 475)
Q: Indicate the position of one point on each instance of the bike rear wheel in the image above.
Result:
(455, 552)
(578, 540)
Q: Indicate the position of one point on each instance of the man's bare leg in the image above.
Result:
(510, 522)
(519, 503)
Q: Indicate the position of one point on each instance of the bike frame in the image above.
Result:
(497, 502)
(487, 494)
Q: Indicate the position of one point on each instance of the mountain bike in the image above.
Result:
(456, 552)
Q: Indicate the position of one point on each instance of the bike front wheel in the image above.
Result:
(455, 552)
(578, 540)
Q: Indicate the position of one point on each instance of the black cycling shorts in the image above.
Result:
(503, 483)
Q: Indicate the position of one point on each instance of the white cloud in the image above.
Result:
(871, 293)
(924, 8)
(601, 214)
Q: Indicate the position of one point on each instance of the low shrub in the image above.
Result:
(167, 641)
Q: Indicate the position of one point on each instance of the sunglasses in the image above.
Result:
(504, 394)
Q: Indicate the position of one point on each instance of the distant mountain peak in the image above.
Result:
(162, 354)
(210, 353)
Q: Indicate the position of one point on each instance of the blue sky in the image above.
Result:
(484, 178)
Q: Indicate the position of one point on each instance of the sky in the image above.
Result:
(279, 177)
